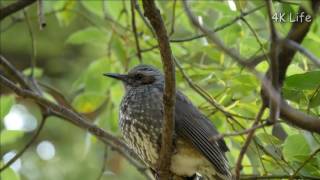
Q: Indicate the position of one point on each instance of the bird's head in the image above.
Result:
(139, 76)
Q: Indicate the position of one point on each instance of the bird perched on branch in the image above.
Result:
(141, 116)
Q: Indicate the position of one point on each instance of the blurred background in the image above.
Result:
(86, 38)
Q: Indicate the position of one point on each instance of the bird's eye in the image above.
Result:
(138, 76)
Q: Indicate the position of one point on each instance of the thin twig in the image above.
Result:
(247, 143)
(297, 33)
(304, 163)
(30, 142)
(134, 29)
(262, 147)
(146, 22)
(218, 28)
(313, 95)
(154, 16)
(14, 7)
(204, 94)
(79, 121)
(58, 96)
(14, 73)
(149, 49)
(103, 165)
(272, 144)
(291, 115)
(173, 17)
(260, 158)
(297, 118)
(274, 66)
(213, 37)
(246, 131)
(302, 50)
(41, 17)
(256, 37)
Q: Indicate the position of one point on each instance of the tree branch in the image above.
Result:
(239, 133)
(13, 72)
(294, 175)
(297, 33)
(291, 115)
(247, 142)
(218, 28)
(292, 44)
(154, 16)
(14, 7)
(78, 120)
(205, 95)
(274, 66)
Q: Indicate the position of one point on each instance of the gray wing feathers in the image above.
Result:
(190, 123)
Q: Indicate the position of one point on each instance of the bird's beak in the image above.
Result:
(121, 77)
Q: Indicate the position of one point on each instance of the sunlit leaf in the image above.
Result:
(37, 72)
(308, 80)
(9, 174)
(119, 50)
(6, 101)
(65, 12)
(10, 136)
(88, 102)
(88, 35)
(95, 7)
(94, 79)
(114, 8)
(268, 138)
(295, 145)
(315, 100)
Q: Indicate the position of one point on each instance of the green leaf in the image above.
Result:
(119, 49)
(88, 35)
(268, 138)
(318, 160)
(308, 80)
(315, 100)
(37, 72)
(294, 69)
(10, 136)
(94, 79)
(305, 4)
(88, 102)
(311, 139)
(64, 11)
(6, 101)
(9, 174)
(295, 146)
(114, 8)
(96, 7)
(293, 95)
(314, 37)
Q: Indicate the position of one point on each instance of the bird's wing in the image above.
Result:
(193, 125)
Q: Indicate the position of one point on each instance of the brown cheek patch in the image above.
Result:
(148, 80)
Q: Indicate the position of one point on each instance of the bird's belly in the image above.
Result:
(186, 161)
(142, 142)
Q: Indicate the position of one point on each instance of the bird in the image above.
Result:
(140, 121)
